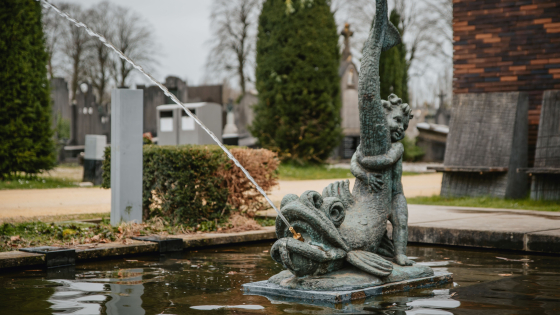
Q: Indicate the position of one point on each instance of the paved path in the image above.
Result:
(414, 186)
(525, 230)
(41, 202)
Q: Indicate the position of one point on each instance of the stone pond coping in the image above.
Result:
(521, 230)
(132, 247)
(504, 229)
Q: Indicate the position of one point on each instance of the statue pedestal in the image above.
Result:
(346, 284)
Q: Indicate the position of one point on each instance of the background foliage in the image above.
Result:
(195, 184)
(25, 115)
(412, 152)
(298, 114)
(393, 68)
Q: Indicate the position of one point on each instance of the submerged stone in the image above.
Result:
(348, 278)
(339, 293)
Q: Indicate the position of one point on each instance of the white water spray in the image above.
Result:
(92, 33)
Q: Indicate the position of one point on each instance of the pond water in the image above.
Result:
(209, 282)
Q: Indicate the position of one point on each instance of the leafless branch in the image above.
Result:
(427, 34)
(134, 37)
(99, 60)
(234, 28)
(73, 46)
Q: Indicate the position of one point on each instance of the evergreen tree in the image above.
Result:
(298, 113)
(26, 143)
(393, 68)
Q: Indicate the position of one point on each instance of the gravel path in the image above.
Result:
(41, 202)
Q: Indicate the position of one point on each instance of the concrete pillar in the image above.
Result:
(126, 155)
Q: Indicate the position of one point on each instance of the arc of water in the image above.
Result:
(92, 33)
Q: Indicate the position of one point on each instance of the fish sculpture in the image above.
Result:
(342, 229)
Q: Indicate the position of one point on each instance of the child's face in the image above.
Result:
(397, 123)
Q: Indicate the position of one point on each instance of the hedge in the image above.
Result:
(191, 184)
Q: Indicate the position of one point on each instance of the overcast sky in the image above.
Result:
(181, 28)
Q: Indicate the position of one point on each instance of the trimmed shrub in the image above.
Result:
(262, 164)
(192, 184)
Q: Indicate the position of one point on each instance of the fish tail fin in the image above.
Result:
(392, 36)
(370, 263)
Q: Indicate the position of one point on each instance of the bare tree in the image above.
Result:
(53, 30)
(134, 37)
(234, 27)
(99, 62)
(427, 33)
(74, 46)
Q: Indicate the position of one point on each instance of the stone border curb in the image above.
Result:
(132, 247)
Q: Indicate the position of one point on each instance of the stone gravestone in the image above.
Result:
(93, 158)
(231, 133)
(486, 144)
(126, 156)
(546, 172)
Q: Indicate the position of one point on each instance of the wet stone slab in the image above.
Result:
(272, 291)
(20, 259)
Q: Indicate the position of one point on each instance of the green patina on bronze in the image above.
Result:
(345, 233)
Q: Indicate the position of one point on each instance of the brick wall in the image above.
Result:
(507, 45)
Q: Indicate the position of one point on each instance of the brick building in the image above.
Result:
(507, 45)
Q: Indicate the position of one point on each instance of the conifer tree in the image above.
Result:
(26, 143)
(393, 67)
(298, 113)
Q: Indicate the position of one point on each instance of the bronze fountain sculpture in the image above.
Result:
(340, 240)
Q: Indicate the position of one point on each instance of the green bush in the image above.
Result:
(393, 68)
(298, 113)
(412, 152)
(25, 113)
(192, 184)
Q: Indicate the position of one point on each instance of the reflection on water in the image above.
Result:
(209, 282)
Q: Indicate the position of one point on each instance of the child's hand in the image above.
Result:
(375, 182)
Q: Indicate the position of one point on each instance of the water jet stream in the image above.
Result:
(92, 33)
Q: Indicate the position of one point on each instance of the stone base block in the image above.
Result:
(93, 171)
(280, 289)
(461, 184)
(545, 187)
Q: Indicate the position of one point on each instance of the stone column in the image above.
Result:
(126, 155)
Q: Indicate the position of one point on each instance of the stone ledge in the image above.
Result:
(545, 241)
(116, 249)
(20, 259)
(132, 247)
(201, 240)
(466, 237)
(541, 242)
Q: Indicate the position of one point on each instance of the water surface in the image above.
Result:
(209, 282)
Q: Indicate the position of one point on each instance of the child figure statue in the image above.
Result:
(366, 169)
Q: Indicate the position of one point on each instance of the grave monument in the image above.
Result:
(545, 174)
(486, 144)
(340, 249)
